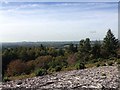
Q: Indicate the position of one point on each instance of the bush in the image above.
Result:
(55, 69)
(16, 67)
(5, 79)
(30, 66)
(58, 68)
(57, 63)
(40, 72)
(42, 62)
(50, 70)
(80, 66)
(94, 60)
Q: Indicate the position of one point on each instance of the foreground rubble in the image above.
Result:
(101, 78)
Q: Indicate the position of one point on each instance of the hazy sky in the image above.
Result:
(63, 0)
(50, 21)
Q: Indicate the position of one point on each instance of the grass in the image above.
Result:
(69, 68)
(100, 63)
(90, 65)
(21, 77)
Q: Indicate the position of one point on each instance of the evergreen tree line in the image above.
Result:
(44, 60)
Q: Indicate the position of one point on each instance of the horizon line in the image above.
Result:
(47, 41)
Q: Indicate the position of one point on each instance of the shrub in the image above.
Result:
(94, 60)
(57, 63)
(16, 67)
(58, 68)
(30, 66)
(42, 62)
(72, 59)
(40, 72)
(50, 70)
(80, 65)
(5, 79)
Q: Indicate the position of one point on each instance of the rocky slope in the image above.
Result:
(101, 78)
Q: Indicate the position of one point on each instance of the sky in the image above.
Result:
(61, 0)
(57, 21)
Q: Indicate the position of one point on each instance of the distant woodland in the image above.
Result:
(41, 60)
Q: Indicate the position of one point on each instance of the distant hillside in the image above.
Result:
(29, 44)
(56, 44)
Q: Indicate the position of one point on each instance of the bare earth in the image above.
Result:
(101, 78)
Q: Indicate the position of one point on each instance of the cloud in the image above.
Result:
(62, 0)
(57, 21)
(41, 5)
(59, 10)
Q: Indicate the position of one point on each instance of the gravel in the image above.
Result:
(96, 78)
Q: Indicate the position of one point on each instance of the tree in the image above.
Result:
(71, 48)
(87, 45)
(52, 51)
(23, 55)
(96, 49)
(110, 44)
(60, 52)
(84, 50)
(42, 47)
(81, 46)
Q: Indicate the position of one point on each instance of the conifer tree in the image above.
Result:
(110, 44)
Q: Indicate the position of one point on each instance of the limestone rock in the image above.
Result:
(105, 77)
